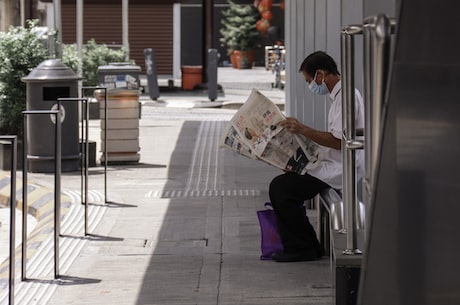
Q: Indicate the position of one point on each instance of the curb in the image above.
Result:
(41, 206)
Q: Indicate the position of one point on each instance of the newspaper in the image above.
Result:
(255, 132)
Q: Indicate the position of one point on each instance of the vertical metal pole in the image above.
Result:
(79, 16)
(22, 12)
(105, 144)
(79, 4)
(58, 25)
(57, 188)
(368, 72)
(85, 102)
(377, 34)
(105, 139)
(277, 66)
(82, 160)
(12, 220)
(84, 155)
(24, 199)
(57, 191)
(125, 26)
(348, 139)
(212, 74)
(152, 76)
(208, 20)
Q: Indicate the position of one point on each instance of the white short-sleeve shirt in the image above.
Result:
(328, 167)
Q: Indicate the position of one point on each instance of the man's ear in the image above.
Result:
(321, 72)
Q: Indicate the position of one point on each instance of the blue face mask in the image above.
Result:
(318, 89)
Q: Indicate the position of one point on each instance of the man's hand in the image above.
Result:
(292, 125)
(323, 138)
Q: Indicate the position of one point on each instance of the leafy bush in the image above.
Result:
(20, 52)
(70, 56)
(94, 55)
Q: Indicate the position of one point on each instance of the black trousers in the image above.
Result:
(287, 194)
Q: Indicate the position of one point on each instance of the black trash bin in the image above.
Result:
(46, 83)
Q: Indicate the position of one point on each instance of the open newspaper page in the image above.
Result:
(254, 132)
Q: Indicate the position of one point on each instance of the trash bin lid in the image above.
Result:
(119, 67)
(51, 69)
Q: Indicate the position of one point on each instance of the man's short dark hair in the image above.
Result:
(319, 60)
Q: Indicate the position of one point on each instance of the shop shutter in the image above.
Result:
(150, 26)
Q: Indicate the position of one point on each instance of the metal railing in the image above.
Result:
(14, 144)
(84, 161)
(104, 89)
(57, 183)
(57, 187)
(377, 32)
(349, 142)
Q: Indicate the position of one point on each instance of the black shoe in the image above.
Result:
(283, 257)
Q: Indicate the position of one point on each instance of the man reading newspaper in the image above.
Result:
(311, 159)
(289, 191)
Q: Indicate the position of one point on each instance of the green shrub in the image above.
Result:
(94, 55)
(20, 52)
(70, 56)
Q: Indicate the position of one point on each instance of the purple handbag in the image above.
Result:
(270, 237)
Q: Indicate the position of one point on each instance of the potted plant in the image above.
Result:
(239, 34)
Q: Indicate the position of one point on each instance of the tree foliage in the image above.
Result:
(20, 51)
(94, 56)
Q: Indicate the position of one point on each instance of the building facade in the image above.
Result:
(15, 12)
(173, 28)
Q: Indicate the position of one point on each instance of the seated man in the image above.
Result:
(289, 191)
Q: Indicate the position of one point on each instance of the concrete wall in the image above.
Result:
(9, 15)
(312, 25)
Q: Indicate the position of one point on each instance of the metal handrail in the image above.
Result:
(377, 56)
(377, 32)
(57, 188)
(84, 154)
(105, 133)
(349, 141)
(13, 141)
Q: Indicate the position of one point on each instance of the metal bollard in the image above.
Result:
(213, 57)
(152, 76)
(57, 188)
(277, 67)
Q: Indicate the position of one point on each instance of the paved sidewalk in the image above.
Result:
(5, 216)
(236, 86)
(180, 227)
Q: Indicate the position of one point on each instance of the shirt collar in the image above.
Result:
(336, 90)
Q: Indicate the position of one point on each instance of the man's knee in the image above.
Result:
(280, 184)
